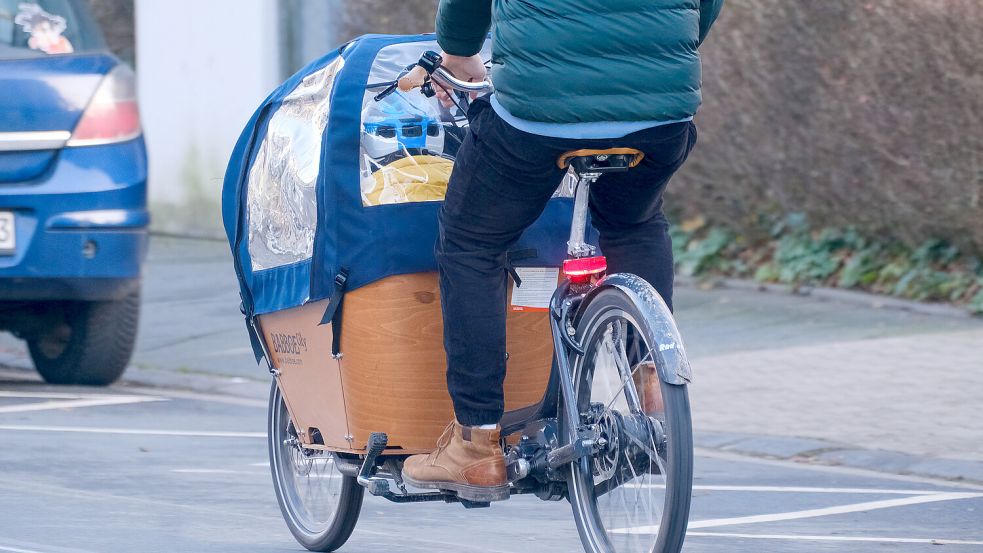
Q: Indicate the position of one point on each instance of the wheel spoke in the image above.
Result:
(626, 377)
(619, 337)
(617, 375)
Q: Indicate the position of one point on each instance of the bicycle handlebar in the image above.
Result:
(429, 69)
(445, 78)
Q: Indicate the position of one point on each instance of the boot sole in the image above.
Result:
(478, 494)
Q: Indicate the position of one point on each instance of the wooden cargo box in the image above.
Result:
(391, 376)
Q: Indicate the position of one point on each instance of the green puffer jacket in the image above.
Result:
(573, 61)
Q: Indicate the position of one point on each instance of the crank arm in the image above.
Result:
(562, 456)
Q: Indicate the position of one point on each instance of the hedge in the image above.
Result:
(867, 114)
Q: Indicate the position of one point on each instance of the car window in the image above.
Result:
(46, 28)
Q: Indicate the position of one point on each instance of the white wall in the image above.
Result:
(203, 66)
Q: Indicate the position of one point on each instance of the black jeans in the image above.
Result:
(502, 180)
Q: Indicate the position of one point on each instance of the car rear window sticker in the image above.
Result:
(45, 29)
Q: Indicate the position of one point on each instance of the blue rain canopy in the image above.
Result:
(329, 187)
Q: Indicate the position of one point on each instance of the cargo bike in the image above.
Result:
(330, 205)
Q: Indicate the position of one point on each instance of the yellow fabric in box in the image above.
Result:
(421, 178)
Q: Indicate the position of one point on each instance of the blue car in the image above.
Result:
(73, 193)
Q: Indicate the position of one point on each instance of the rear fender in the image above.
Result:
(657, 322)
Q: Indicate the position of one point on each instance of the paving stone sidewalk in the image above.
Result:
(916, 394)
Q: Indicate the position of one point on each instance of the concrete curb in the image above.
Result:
(823, 452)
(135, 376)
(236, 386)
(854, 297)
(202, 237)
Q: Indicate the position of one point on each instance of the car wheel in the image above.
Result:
(90, 344)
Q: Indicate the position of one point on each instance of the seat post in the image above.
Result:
(588, 165)
(577, 247)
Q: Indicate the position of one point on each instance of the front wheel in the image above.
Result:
(633, 495)
(319, 504)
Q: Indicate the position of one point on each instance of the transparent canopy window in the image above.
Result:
(408, 141)
(282, 208)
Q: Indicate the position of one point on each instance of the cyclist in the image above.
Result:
(568, 74)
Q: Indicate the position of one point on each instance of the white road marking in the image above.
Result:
(263, 464)
(76, 403)
(49, 395)
(17, 546)
(218, 471)
(17, 549)
(930, 541)
(802, 489)
(131, 431)
(811, 513)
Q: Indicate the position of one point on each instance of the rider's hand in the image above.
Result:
(469, 68)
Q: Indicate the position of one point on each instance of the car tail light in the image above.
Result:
(580, 271)
(112, 114)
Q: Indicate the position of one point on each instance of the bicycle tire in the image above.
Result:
(322, 535)
(665, 535)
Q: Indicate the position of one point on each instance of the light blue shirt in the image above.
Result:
(605, 129)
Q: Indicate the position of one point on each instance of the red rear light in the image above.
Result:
(580, 271)
(112, 114)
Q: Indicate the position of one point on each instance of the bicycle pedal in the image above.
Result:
(376, 445)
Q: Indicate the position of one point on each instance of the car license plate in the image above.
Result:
(8, 234)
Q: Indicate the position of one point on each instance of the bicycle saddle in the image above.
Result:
(601, 161)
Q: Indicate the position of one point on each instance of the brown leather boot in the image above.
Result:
(468, 460)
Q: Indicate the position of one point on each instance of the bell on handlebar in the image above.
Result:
(428, 90)
(430, 61)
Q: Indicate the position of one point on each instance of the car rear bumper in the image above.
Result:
(81, 229)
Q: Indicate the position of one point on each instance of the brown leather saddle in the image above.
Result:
(600, 161)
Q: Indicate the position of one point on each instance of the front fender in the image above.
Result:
(657, 322)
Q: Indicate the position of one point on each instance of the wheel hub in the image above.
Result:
(609, 442)
(625, 441)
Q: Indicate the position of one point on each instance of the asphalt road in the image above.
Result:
(151, 469)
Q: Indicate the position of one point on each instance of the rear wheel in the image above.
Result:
(88, 343)
(634, 495)
(319, 504)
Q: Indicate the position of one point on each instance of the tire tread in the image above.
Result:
(103, 335)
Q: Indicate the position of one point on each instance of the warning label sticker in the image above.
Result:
(538, 285)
